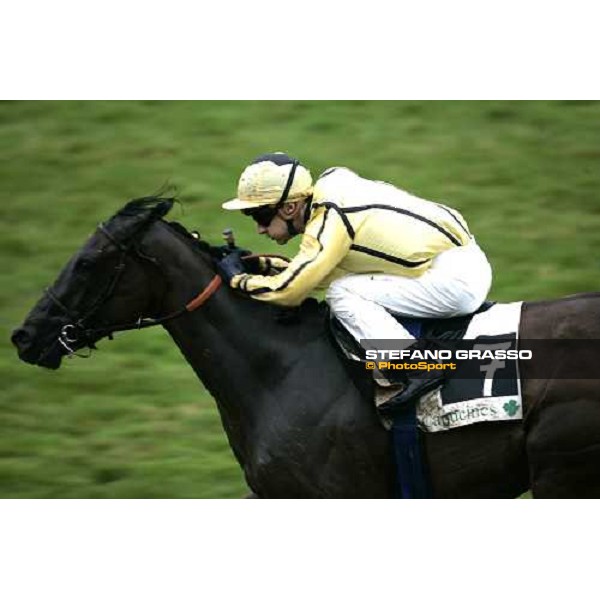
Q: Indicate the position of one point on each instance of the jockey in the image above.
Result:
(376, 249)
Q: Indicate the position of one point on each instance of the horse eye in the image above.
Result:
(84, 264)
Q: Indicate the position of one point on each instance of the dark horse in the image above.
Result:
(299, 423)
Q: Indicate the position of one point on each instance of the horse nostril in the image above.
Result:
(20, 338)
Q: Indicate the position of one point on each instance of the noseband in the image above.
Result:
(76, 331)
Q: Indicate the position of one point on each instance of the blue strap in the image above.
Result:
(413, 326)
(412, 480)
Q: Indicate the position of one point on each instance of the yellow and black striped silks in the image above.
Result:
(357, 225)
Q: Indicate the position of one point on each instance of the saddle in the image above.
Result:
(450, 329)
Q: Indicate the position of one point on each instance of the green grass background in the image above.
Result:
(133, 421)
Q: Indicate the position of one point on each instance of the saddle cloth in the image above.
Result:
(494, 396)
(460, 401)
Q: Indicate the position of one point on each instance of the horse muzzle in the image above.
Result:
(29, 351)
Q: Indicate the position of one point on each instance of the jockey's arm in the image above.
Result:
(324, 243)
(271, 265)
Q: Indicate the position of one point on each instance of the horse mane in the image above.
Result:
(155, 206)
(214, 251)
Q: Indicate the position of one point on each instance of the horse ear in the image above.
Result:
(162, 207)
(140, 213)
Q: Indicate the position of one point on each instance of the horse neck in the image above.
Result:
(231, 342)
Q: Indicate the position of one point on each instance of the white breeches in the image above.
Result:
(457, 283)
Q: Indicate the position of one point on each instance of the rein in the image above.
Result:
(76, 332)
(144, 322)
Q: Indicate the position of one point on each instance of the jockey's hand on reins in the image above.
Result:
(250, 263)
(230, 266)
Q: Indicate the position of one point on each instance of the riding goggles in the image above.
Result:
(263, 215)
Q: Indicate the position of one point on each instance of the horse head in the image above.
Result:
(109, 283)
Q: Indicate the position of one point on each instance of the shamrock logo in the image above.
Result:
(511, 408)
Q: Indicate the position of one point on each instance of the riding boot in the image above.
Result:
(418, 383)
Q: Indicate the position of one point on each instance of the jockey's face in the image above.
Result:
(277, 230)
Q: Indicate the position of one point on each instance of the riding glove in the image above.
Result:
(230, 266)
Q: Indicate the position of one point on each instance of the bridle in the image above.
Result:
(76, 331)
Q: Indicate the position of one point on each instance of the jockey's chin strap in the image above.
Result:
(292, 229)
